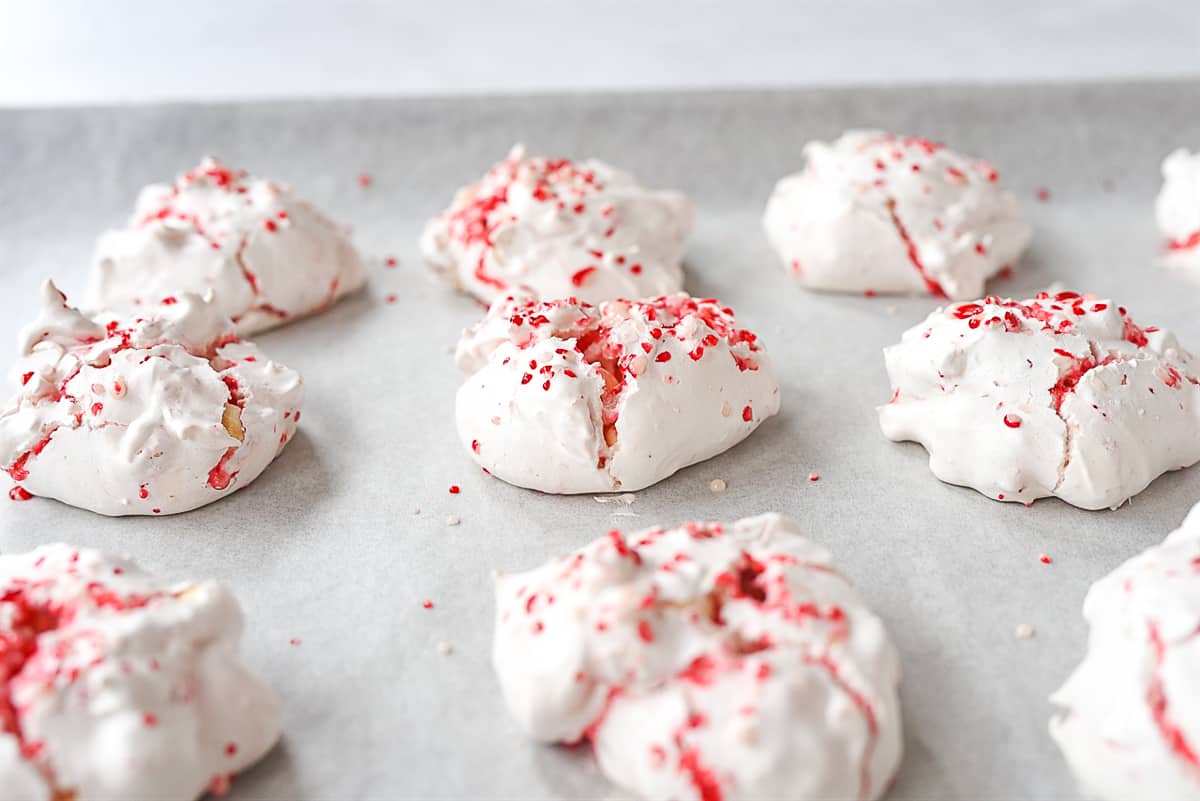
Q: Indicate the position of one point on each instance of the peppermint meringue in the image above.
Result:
(1059, 395)
(268, 256)
(153, 415)
(879, 213)
(566, 397)
(1129, 724)
(705, 663)
(553, 228)
(115, 684)
(1178, 205)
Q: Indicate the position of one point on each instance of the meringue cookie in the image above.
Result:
(1178, 204)
(879, 213)
(554, 229)
(566, 397)
(268, 256)
(1060, 395)
(1129, 724)
(154, 415)
(115, 684)
(705, 663)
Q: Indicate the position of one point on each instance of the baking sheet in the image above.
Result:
(340, 542)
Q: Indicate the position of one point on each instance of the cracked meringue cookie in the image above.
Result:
(705, 662)
(157, 414)
(553, 228)
(1178, 205)
(878, 213)
(1129, 720)
(268, 256)
(1062, 395)
(115, 684)
(565, 397)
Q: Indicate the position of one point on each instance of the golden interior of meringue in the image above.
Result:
(232, 420)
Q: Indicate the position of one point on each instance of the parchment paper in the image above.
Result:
(341, 541)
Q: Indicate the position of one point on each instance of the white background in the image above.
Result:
(92, 51)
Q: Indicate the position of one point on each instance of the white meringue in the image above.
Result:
(555, 229)
(705, 663)
(878, 213)
(1178, 204)
(1059, 395)
(566, 397)
(154, 415)
(268, 256)
(117, 685)
(1130, 720)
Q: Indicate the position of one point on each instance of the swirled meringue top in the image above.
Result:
(115, 684)
(874, 212)
(148, 415)
(1059, 395)
(705, 662)
(268, 256)
(563, 396)
(555, 228)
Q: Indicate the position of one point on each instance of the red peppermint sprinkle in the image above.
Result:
(578, 278)
(1185, 243)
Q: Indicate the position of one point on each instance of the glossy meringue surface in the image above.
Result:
(117, 685)
(566, 397)
(553, 228)
(705, 662)
(147, 415)
(1177, 207)
(1129, 716)
(267, 256)
(884, 214)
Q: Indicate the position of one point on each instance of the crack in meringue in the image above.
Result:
(1172, 733)
(910, 248)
